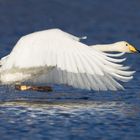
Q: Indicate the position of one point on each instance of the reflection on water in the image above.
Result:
(74, 107)
(71, 106)
(63, 119)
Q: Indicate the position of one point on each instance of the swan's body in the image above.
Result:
(53, 56)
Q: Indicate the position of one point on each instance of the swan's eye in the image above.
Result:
(126, 44)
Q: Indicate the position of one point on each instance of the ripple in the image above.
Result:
(73, 107)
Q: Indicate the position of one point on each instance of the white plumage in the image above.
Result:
(53, 56)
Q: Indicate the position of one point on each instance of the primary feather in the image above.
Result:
(53, 56)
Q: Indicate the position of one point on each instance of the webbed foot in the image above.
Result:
(33, 88)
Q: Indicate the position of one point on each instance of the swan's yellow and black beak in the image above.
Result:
(132, 49)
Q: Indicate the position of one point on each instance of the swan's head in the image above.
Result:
(124, 46)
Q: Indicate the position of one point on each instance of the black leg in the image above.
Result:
(33, 88)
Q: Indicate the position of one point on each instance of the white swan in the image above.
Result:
(54, 56)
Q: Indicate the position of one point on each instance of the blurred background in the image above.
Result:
(68, 113)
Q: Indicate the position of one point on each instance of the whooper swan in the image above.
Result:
(54, 56)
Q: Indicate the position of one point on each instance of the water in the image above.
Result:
(68, 113)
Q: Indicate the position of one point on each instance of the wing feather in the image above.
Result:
(72, 62)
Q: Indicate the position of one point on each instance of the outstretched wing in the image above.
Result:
(73, 63)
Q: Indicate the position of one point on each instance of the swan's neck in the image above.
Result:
(108, 48)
